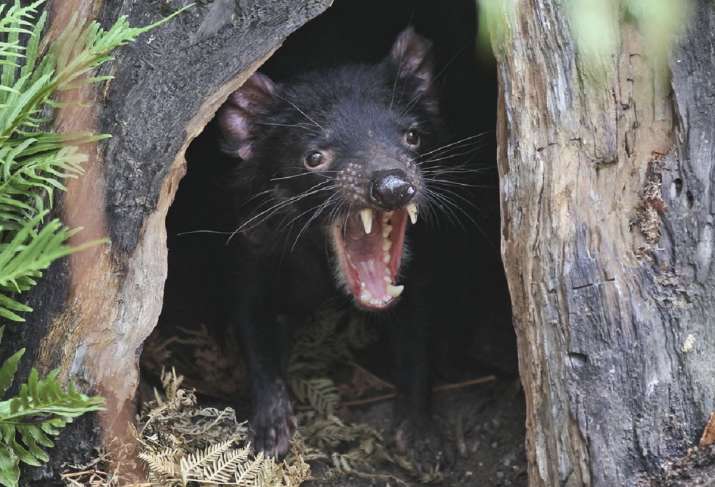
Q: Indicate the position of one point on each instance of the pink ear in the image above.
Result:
(412, 55)
(237, 116)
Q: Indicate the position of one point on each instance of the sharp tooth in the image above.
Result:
(412, 211)
(386, 244)
(386, 230)
(366, 217)
(395, 291)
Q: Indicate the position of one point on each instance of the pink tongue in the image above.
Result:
(364, 251)
(372, 273)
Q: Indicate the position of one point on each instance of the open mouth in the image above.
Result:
(369, 247)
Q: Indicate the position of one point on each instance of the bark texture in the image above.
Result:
(94, 310)
(607, 219)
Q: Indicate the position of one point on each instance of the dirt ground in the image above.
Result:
(486, 431)
(484, 423)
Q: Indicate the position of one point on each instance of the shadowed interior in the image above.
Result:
(467, 297)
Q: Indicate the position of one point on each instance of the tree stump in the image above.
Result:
(607, 239)
(94, 310)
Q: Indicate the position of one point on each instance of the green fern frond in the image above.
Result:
(39, 411)
(23, 259)
(33, 165)
(9, 367)
(75, 53)
(31, 172)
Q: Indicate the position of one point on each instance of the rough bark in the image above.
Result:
(607, 213)
(94, 310)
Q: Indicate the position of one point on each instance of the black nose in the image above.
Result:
(391, 189)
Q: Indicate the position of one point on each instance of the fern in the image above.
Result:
(28, 421)
(163, 464)
(39, 411)
(319, 392)
(197, 461)
(224, 456)
(33, 163)
(234, 466)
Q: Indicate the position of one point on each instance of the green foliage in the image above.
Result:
(33, 164)
(594, 24)
(39, 411)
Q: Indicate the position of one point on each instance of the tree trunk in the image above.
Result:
(94, 310)
(607, 214)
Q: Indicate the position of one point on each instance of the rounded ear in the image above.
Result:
(412, 56)
(237, 117)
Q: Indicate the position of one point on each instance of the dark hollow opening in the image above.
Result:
(469, 303)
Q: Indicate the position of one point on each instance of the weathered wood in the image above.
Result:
(94, 310)
(607, 213)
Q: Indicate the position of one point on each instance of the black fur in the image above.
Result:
(355, 114)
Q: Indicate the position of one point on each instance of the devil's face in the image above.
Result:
(342, 147)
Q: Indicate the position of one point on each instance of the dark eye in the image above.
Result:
(412, 138)
(314, 159)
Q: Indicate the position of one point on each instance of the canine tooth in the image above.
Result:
(395, 291)
(412, 211)
(366, 217)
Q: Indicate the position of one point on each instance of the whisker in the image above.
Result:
(285, 226)
(322, 173)
(456, 183)
(444, 170)
(315, 215)
(441, 157)
(446, 206)
(289, 125)
(255, 196)
(282, 204)
(448, 201)
(192, 232)
(300, 111)
(466, 140)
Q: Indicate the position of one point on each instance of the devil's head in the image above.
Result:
(340, 150)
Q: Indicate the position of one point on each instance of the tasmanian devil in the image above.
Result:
(332, 172)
